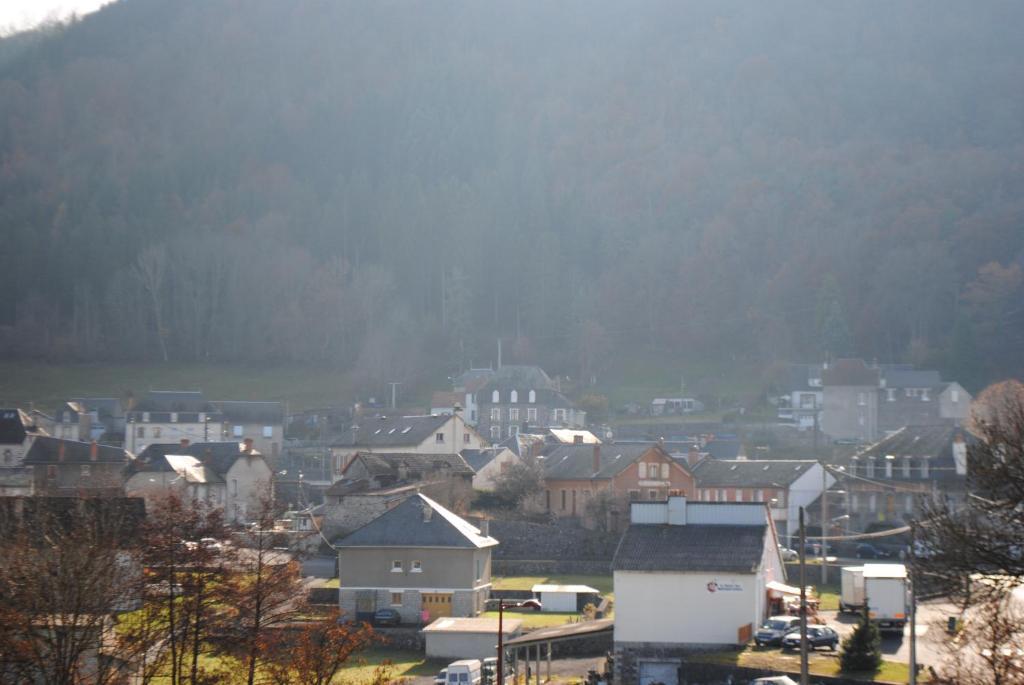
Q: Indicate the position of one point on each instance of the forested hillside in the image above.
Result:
(386, 186)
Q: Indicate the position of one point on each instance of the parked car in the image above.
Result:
(386, 617)
(774, 629)
(774, 680)
(817, 636)
(788, 554)
(442, 677)
(529, 604)
(866, 550)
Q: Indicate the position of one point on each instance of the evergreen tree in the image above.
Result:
(862, 649)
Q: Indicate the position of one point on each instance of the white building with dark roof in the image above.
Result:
(688, 576)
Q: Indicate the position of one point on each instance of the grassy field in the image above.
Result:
(535, 619)
(602, 583)
(402, 664)
(48, 385)
(819, 663)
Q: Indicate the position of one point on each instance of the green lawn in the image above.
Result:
(536, 619)
(47, 385)
(403, 664)
(820, 663)
(602, 583)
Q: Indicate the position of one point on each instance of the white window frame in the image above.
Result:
(532, 396)
(531, 414)
(85, 470)
(268, 431)
(665, 472)
(513, 414)
(888, 468)
(513, 396)
(495, 432)
(417, 566)
(495, 397)
(396, 566)
(906, 467)
(238, 431)
(495, 414)
(924, 467)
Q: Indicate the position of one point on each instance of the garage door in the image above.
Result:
(664, 672)
(437, 604)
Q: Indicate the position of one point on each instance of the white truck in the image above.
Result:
(883, 586)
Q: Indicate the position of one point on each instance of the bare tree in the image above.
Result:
(312, 653)
(989, 646)
(149, 270)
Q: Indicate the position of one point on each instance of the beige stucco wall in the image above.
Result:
(486, 478)
(248, 481)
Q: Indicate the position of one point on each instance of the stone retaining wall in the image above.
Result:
(563, 539)
(548, 567)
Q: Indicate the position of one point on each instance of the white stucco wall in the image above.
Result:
(678, 608)
(247, 482)
(486, 478)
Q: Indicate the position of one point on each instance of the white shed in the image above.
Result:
(467, 638)
(561, 597)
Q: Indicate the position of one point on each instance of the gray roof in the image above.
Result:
(251, 412)
(105, 407)
(407, 525)
(15, 425)
(909, 378)
(515, 377)
(746, 473)
(477, 459)
(575, 462)
(418, 465)
(850, 372)
(799, 375)
(219, 456)
(935, 442)
(47, 450)
(393, 431)
(696, 548)
(174, 401)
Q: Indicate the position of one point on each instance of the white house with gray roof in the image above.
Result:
(687, 576)
(784, 485)
(418, 558)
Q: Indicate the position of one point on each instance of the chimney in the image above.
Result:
(184, 444)
(485, 527)
(428, 512)
(693, 455)
(94, 451)
(577, 439)
(248, 446)
(60, 451)
(597, 458)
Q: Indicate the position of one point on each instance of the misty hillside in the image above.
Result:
(389, 186)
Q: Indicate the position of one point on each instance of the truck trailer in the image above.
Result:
(883, 587)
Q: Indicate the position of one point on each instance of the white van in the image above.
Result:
(464, 672)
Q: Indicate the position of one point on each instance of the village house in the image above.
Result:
(165, 416)
(440, 435)
(107, 416)
(418, 558)
(70, 467)
(488, 465)
(784, 485)
(523, 398)
(802, 396)
(17, 432)
(889, 479)
(229, 475)
(850, 401)
(263, 422)
(574, 475)
(689, 576)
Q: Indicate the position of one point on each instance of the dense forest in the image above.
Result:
(386, 186)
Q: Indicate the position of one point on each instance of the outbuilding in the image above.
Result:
(565, 598)
(467, 638)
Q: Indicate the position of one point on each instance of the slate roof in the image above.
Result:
(446, 400)
(393, 431)
(14, 426)
(934, 441)
(746, 473)
(514, 377)
(251, 412)
(388, 463)
(723, 449)
(576, 462)
(690, 548)
(909, 378)
(105, 407)
(174, 400)
(217, 455)
(477, 459)
(47, 450)
(407, 526)
(850, 372)
(799, 375)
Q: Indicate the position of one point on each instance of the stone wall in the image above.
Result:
(564, 539)
(548, 567)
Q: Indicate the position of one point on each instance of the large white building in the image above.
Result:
(688, 576)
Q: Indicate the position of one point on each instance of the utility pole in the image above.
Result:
(913, 607)
(803, 602)
(393, 384)
(824, 524)
(501, 643)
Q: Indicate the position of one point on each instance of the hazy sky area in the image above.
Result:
(18, 15)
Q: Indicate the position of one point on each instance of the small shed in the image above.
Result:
(467, 638)
(565, 597)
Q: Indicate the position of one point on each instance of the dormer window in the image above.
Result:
(513, 396)
(439, 438)
(174, 417)
(533, 396)
(871, 467)
(924, 395)
(145, 417)
(495, 397)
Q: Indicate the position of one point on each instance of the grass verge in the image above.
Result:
(819, 663)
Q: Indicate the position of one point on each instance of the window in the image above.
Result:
(954, 396)
(853, 467)
(465, 438)
(558, 415)
(495, 414)
(396, 599)
(664, 471)
(533, 396)
(174, 417)
(906, 467)
(495, 432)
(8, 457)
(531, 414)
(479, 569)
(563, 500)
(888, 468)
(51, 470)
(140, 432)
(908, 503)
(586, 494)
(780, 500)
(513, 430)
(439, 437)
(237, 431)
(145, 417)
(495, 397)
(872, 502)
(472, 415)
(396, 566)
(739, 495)
(268, 431)
(759, 495)
(234, 487)
(634, 495)
(924, 467)
(157, 432)
(513, 396)
(642, 470)
(513, 414)
(871, 467)
(417, 566)
(721, 495)
(86, 470)
(890, 394)
(807, 400)
(652, 495)
(862, 398)
(924, 395)
(911, 392)
(65, 417)
(853, 502)
(547, 500)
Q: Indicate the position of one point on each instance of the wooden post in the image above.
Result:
(803, 602)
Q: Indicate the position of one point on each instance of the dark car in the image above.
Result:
(817, 636)
(386, 617)
(772, 631)
(866, 550)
